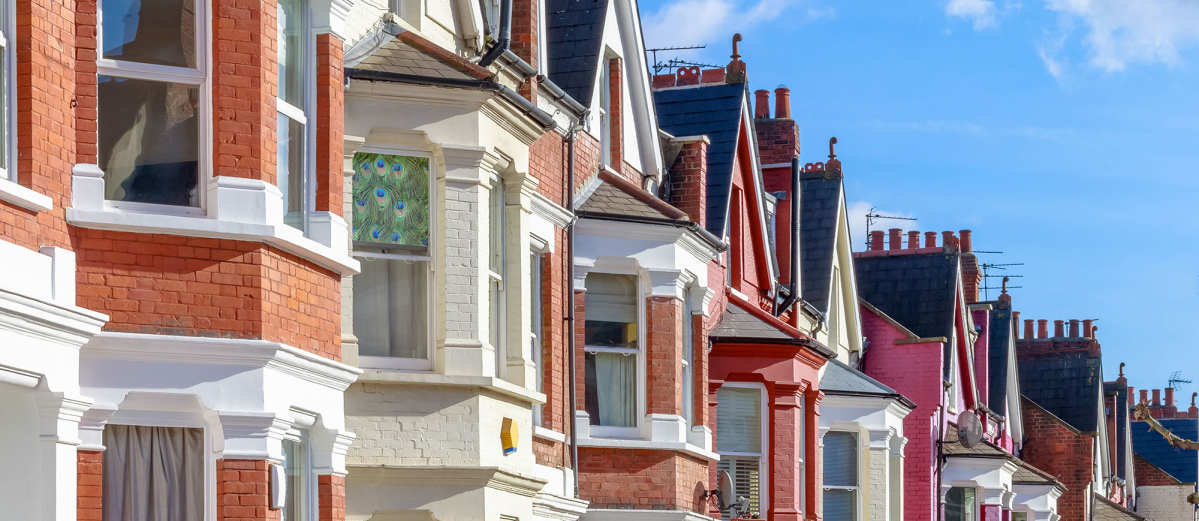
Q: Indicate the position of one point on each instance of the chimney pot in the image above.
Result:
(1144, 396)
(967, 247)
(1170, 396)
(876, 240)
(1157, 397)
(895, 244)
(1132, 396)
(762, 104)
(1073, 328)
(1016, 321)
(1086, 328)
(1043, 328)
(1028, 329)
(1059, 328)
(782, 103)
(930, 239)
(948, 240)
(913, 240)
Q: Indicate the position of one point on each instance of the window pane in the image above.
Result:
(495, 197)
(496, 324)
(840, 505)
(841, 459)
(153, 473)
(1019, 516)
(290, 170)
(745, 471)
(959, 504)
(535, 324)
(610, 310)
(611, 389)
(738, 420)
(291, 51)
(391, 200)
(295, 467)
(149, 141)
(160, 32)
(688, 350)
(391, 308)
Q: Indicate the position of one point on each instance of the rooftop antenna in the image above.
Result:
(658, 66)
(872, 216)
(1176, 378)
(987, 275)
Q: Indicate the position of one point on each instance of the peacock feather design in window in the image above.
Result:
(391, 200)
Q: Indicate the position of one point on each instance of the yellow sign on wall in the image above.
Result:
(509, 435)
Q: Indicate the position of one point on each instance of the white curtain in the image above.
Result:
(618, 392)
(390, 308)
(153, 473)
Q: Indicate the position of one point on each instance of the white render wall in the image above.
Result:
(1166, 503)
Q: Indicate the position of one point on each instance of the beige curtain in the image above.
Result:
(153, 473)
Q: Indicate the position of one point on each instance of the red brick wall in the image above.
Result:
(330, 125)
(641, 479)
(689, 181)
(171, 285)
(243, 491)
(244, 88)
(778, 142)
(616, 114)
(1149, 475)
(331, 495)
(664, 355)
(85, 82)
(90, 486)
(1062, 451)
(556, 411)
(699, 360)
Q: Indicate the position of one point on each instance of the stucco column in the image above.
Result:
(813, 484)
(59, 416)
(518, 207)
(878, 480)
(786, 479)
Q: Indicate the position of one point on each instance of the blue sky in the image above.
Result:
(1065, 133)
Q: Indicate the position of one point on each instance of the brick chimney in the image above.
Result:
(1028, 331)
(1157, 397)
(525, 41)
(1132, 398)
(930, 239)
(1086, 328)
(689, 178)
(893, 242)
(967, 247)
(1042, 328)
(1059, 328)
(971, 274)
(1169, 397)
(761, 104)
(1016, 322)
(735, 71)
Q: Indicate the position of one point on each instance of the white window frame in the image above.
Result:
(688, 361)
(8, 27)
(634, 432)
(311, 511)
(200, 78)
(951, 400)
(605, 109)
(300, 114)
(496, 188)
(765, 455)
(537, 328)
(183, 420)
(977, 510)
(391, 363)
(863, 459)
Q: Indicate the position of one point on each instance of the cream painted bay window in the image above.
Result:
(152, 93)
(612, 346)
(739, 441)
(391, 233)
(841, 476)
(293, 103)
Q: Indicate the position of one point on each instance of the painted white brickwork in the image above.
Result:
(1166, 503)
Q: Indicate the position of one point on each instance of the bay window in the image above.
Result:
(299, 493)
(292, 104)
(739, 441)
(497, 266)
(153, 473)
(391, 237)
(959, 504)
(612, 351)
(535, 330)
(840, 476)
(151, 89)
(688, 359)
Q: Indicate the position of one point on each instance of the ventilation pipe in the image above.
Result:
(505, 39)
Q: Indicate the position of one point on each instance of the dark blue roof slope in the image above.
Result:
(997, 359)
(918, 291)
(1069, 385)
(819, 200)
(712, 110)
(575, 31)
(1182, 464)
(840, 378)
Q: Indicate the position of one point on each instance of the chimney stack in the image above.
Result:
(1073, 328)
(967, 247)
(1086, 328)
(1016, 321)
(949, 240)
(1028, 331)
(876, 240)
(782, 103)
(1144, 396)
(930, 239)
(896, 244)
(913, 240)
(762, 104)
(1169, 396)
(1059, 328)
(1132, 396)
(1157, 397)
(1042, 328)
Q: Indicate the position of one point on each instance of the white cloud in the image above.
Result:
(816, 13)
(710, 22)
(926, 127)
(981, 12)
(857, 223)
(1049, 50)
(1123, 32)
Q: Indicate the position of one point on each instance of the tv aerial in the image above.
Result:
(1176, 378)
(873, 216)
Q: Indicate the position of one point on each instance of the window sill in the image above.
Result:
(25, 198)
(621, 443)
(548, 434)
(496, 385)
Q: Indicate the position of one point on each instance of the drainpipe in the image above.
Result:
(570, 293)
(505, 38)
(793, 296)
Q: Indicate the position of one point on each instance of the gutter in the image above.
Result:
(893, 396)
(544, 120)
(802, 342)
(505, 39)
(692, 226)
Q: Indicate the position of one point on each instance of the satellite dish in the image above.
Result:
(724, 489)
(970, 429)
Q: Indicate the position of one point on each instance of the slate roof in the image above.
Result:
(1069, 385)
(1107, 511)
(918, 291)
(400, 57)
(1000, 349)
(1182, 464)
(1029, 475)
(712, 110)
(840, 378)
(983, 449)
(739, 324)
(575, 30)
(819, 200)
(607, 198)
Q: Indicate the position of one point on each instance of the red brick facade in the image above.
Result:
(90, 485)
(243, 491)
(616, 113)
(330, 124)
(331, 494)
(1149, 475)
(689, 181)
(1064, 452)
(244, 88)
(642, 479)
